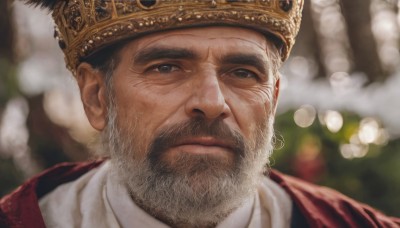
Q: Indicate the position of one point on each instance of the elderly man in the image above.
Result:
(184, 94)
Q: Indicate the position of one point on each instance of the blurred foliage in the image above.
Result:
(10, 176)
(8, 81)
(373, 179)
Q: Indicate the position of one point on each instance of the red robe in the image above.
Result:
(314, 206)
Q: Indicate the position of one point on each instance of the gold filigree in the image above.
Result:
(73, 16)
(85, 26)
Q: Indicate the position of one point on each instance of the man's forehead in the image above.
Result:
(204, 37)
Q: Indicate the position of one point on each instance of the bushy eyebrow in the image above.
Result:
(254, 60)
(154, 53)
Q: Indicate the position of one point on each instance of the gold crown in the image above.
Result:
(85, 26)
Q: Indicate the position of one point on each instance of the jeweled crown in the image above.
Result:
(85, 26)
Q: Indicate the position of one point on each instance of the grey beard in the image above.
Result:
(203, 195)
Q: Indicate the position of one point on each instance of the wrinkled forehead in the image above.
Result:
(220, 38)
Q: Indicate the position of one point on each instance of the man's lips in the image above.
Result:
(203, 143)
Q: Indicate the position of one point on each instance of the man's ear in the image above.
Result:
(93, 94)
(276, 94)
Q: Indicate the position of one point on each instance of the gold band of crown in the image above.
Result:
(85, 26)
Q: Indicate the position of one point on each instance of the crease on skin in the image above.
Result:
(210, 38)
(267, 100)
(263, 95)
(237, 38)
(151, 41)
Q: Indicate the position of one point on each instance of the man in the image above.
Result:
(184, 94)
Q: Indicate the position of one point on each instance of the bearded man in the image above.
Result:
(184, 94)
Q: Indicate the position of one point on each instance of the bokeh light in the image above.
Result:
(350, 151)
(333, 120)
(383, 137)
(305, 116)
(369, 130)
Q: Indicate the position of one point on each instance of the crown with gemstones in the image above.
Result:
(86, 26)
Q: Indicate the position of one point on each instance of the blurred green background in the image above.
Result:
(338, 118)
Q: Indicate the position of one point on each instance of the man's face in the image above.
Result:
(218, 74)
(192, 110)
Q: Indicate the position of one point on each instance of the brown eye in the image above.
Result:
(165, 68)
(245, 74)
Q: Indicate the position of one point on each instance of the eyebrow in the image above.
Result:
(154, 53)
(246, 59)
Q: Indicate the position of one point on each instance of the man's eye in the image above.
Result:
(243, 73)
(165, 68)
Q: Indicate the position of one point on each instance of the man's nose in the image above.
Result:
(207, 98)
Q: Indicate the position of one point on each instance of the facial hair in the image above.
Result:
(196, 190)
